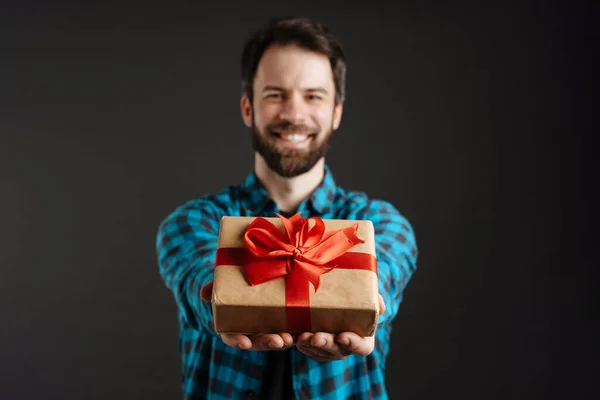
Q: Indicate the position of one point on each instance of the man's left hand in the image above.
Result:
(324, 347)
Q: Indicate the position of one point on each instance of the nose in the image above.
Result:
(294, 109)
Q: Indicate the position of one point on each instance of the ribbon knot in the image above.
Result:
(302, 250)
(297, 253)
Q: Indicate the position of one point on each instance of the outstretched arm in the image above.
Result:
(186, 245)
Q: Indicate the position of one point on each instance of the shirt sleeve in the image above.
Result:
(396, 252)
(186, 246)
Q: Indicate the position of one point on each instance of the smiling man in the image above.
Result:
(293, 76)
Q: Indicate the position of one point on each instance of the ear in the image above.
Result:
(246, 108)
(337, 115)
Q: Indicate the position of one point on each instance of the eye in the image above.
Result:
(274, 96)
(313, 97)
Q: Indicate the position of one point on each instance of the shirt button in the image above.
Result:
(251, 394)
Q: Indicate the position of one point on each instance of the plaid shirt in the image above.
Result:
(186, 245)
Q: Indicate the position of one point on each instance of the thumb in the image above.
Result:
(381, 304)
(206, 292)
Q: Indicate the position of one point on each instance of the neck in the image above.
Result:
(288, 193)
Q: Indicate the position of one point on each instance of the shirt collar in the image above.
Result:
(256, 199)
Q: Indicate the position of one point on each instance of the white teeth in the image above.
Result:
(295, 138)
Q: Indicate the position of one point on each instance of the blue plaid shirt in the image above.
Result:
(186, 245)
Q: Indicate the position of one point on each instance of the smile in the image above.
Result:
(296, 140)
(294, 137)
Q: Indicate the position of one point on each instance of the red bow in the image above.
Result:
(301, 250)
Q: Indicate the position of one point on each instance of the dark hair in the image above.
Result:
(301, 32)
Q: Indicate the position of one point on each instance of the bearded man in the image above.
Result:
(293, 79)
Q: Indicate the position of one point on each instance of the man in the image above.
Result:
(293, 74)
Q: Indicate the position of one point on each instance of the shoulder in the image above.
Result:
(205, 211)
(387, 220)
(358, 205)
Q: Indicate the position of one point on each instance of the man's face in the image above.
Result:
(293, 112)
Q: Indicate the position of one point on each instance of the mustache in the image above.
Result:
(293, 128)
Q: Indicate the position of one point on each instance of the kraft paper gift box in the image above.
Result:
(267, 269)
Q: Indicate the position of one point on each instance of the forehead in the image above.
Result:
(292, 67)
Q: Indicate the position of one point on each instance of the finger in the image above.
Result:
(312, 345)
(315, 353)
(356, 344)
(206, 292)
(268, 342)
(288, 339)
(326, 342)
(304, 339)
(236, 341)
(304, 345)
(381, 305)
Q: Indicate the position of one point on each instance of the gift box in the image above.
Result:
(295, 275)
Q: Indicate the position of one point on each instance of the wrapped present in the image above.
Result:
(295, 275)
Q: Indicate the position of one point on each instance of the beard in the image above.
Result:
(289, 163)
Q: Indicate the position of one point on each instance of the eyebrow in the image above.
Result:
(279, 89)
(318, 89)
(272, 88)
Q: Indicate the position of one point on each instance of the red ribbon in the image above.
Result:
(302, 254)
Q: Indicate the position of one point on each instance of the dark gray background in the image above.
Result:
(470, 119)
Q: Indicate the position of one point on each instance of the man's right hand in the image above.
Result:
(257, 342)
